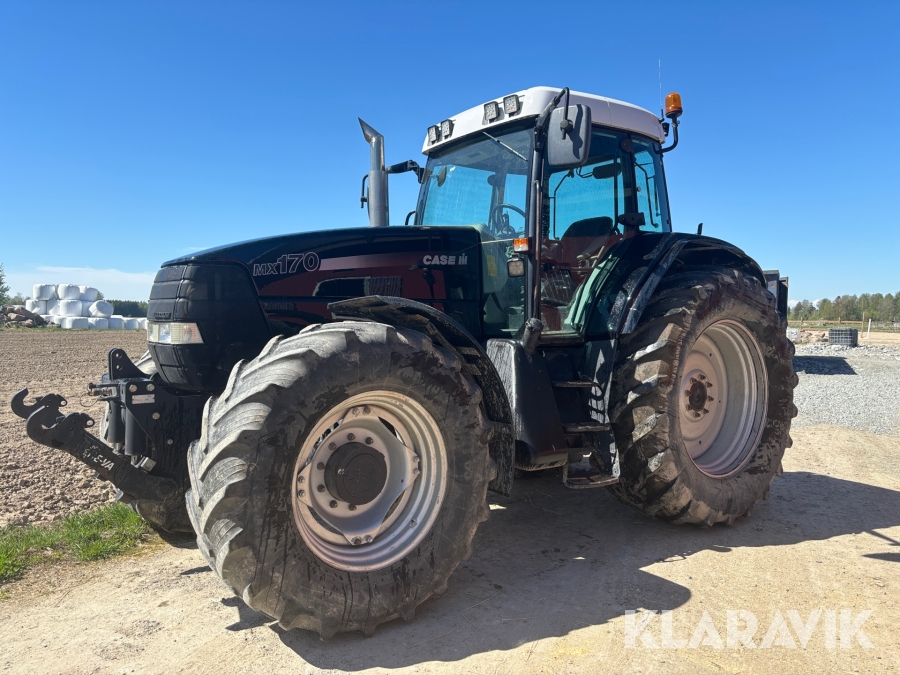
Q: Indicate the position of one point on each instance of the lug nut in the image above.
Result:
(321, 488)
(709, 385)
(369, 440)
(352, 507)
(332, 504)
(320, 466)
(351, 437)
(354, 411)
(693, 381)
(416, 459)
(417, 471)
(705, 411)
(688, 408)
(368, 539)
(332, 446)
(687, 393)
(696, 414)
(710, 399)
(301, 493)
(413, 523)
(301, 479)
(357, 541)
(702, 376)
(367, 409)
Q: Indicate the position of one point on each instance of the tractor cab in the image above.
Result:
(546, 227)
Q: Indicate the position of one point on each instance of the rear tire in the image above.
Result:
(702, 398)
(267, 523)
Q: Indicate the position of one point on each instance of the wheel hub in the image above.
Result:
(698, 395)
(356, 473)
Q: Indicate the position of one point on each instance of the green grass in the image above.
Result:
(93, 535)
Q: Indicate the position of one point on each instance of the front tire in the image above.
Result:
(341, 475)
(702, 398)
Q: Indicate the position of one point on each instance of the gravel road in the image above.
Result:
(856, 387)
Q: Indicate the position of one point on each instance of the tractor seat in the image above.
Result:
(584, 237)
(600, 226)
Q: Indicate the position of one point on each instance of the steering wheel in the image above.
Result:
(503, 230)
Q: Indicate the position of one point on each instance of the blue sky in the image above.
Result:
(136, 132)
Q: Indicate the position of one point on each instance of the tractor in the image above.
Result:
(327, 410)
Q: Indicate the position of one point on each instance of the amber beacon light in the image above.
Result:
(673, 106)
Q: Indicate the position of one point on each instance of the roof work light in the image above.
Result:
(491, 111)
(511, 104)
(434, 134)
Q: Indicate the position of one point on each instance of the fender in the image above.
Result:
(405, 313)
(680, 251)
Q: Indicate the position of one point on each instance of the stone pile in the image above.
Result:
(19, 316)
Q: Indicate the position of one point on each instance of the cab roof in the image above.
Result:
(604, 111)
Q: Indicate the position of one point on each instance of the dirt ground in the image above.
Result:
(549, 589)
(51, 361)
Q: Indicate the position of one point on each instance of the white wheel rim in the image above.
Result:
(383, 531)
(721, 427)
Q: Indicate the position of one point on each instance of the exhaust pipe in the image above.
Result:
(377, 198)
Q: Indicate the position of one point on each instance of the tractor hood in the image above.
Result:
(295, 276)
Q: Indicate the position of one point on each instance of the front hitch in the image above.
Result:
(23, 410)
(48, 426)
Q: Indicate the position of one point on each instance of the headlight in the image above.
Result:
(174, 333)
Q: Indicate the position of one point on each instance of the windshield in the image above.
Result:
(483, 184)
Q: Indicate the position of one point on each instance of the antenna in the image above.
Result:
(659, 64)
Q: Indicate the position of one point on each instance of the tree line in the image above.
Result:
(873, 306)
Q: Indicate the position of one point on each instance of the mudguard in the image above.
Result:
(405, 313)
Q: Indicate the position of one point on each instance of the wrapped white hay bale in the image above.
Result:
(101, 309)
(98, 322)
(116, 323)
(40, 306)
(78, 322)
(29, 305)
(143, 324)
(132, 324)
(70, 307)
(51, 320)
(68, 292)
(88, 293)
(52, 306)
(43, 291)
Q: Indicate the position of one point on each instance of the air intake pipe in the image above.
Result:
(377, 197)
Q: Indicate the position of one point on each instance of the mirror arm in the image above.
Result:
(675, 141)
(408, 165)
(362, 195)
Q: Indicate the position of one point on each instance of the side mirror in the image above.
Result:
(569, 137)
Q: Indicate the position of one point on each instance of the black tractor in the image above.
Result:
(327, 410)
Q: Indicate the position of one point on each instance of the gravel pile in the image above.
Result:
(857, 387)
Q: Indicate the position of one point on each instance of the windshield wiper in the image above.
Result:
(501, 143)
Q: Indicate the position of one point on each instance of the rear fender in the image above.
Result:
(680, 253)
(405, 313)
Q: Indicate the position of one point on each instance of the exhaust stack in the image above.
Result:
(377, 197)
